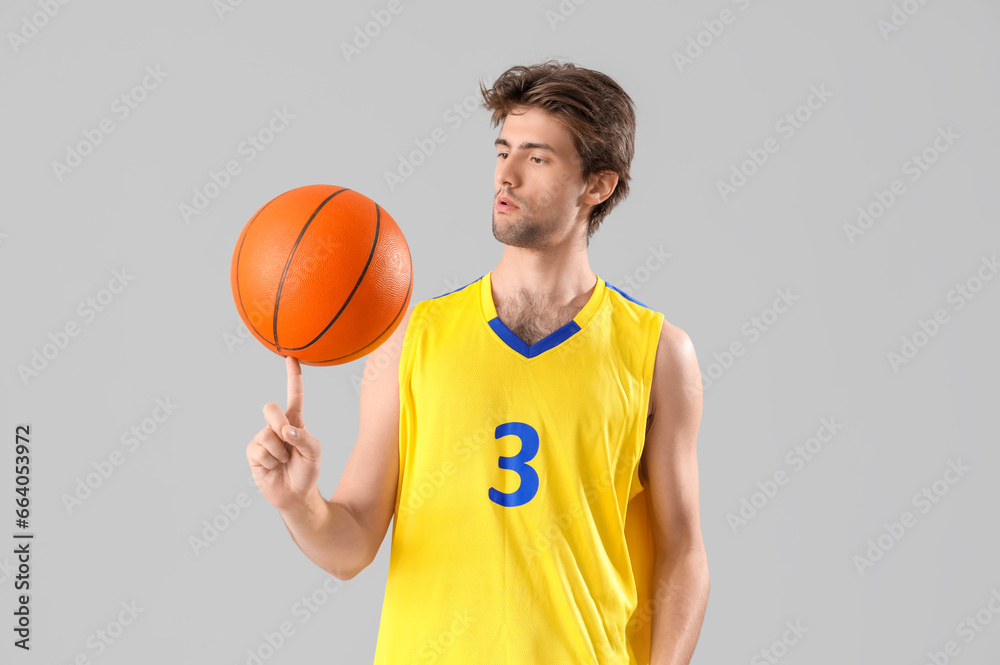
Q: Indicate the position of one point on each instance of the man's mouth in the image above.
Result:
(504, 203)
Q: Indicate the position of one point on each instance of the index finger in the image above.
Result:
(293, 408)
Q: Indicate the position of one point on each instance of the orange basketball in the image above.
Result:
(321, 273)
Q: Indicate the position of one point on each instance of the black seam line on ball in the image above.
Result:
(409, 290)
(281, 284)
(371, 253)
(240, 253)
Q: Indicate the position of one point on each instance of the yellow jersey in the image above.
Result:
(520, 532)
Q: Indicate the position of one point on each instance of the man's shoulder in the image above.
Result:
(674, 341)
(676, 368)
(434, 311)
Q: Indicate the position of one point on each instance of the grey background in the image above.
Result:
(170, 333)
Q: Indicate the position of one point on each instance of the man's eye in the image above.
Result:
(504, 155)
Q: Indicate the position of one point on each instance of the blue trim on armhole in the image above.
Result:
(457, 290)
(627, 296)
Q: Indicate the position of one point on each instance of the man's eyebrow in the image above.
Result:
(528, 146)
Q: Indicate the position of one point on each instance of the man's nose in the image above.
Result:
(506, 173)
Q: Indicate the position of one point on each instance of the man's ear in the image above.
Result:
(600, 186)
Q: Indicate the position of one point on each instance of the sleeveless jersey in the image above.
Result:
(520, 532)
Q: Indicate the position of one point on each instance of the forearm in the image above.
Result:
(680, 585)
(328, 534)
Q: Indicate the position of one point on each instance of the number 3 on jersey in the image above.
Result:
(519, 464)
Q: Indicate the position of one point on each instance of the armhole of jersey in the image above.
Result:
(656, 326)
(405, 374)
(406, 354)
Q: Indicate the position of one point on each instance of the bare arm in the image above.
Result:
(342, 535)
(680, 568)
(328, 534)
(367, 488)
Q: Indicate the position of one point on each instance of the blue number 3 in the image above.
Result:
(518, 463)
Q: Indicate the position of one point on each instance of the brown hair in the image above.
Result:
(597, 112)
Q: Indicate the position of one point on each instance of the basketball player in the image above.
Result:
(533, 440)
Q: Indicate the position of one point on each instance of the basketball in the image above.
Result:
(321, 273)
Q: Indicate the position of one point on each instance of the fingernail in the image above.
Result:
(291, 432)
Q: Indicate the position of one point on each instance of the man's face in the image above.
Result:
(538, 168)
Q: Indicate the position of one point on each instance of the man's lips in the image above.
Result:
(504, 203)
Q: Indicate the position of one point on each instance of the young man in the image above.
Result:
(535, 443)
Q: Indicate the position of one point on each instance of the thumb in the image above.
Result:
(302, 440)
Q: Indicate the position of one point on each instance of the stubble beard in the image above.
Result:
(521, 232)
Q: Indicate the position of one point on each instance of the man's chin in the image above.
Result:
(518, 240)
